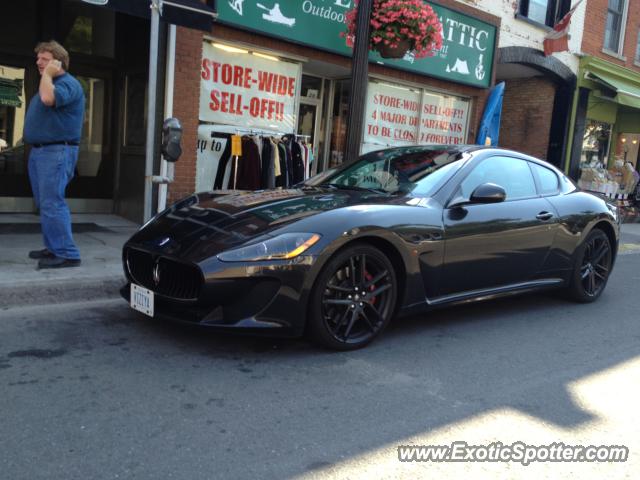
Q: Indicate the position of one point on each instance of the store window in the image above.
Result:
(594, 157)
(12, 112)
(595, 145)
(88, 30)
(546, 12)
(90, 152)
(614, 25)
(400, 115)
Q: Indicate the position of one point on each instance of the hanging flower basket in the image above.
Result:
(398, 27)
(397, 51)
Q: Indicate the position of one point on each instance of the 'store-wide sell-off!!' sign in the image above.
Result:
(402, 116)
(247, 90)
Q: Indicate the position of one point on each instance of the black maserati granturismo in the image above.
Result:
(398, 231)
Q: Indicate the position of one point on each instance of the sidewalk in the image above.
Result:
(99, 238)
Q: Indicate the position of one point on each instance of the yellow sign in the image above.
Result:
(236, 145)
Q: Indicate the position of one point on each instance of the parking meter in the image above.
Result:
(171, 138)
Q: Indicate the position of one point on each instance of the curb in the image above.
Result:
(61, 291)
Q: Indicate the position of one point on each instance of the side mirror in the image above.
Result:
(488, 193)
(171, 138)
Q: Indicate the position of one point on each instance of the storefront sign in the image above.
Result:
(466, 55)
(393, 114)
(248, 91)
(398, 115)
(444, 119)
(209, 150)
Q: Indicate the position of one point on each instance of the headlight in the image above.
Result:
(282, 247)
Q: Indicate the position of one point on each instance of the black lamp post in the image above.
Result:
(359, 81)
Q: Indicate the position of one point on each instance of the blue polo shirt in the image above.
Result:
(63, 121)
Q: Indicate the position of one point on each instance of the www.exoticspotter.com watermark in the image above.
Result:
(516, 452)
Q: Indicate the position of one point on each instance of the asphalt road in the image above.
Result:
(96, 391)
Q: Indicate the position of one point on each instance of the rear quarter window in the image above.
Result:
(547, 179)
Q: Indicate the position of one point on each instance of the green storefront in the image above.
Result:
(606, 128)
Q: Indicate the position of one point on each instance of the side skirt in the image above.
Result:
(485, 294)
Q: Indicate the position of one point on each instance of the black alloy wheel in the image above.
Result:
(354, 298)
(593, 267)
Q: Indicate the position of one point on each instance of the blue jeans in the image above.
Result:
(50, 170)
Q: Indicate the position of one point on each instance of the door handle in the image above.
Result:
(544, 216)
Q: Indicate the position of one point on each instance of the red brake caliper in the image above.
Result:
(368, 277)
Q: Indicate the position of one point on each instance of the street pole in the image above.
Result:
(156, 6)
(359, 81)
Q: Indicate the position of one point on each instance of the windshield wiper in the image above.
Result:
(338, 186)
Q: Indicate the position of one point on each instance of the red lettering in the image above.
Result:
(265, 80)
(292, 85)
(237, 76)
(216, 70)
(206, 72)
(227, 74)
(254, 107)
(214, 105)
(282, 85)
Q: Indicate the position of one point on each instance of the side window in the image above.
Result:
(547, 178)
(512, 174)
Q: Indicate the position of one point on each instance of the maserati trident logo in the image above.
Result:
(156, 273)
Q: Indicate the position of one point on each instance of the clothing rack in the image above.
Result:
(291, 168)
(266, 133)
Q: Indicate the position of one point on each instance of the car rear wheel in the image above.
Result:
(592, 268)
(353, 299)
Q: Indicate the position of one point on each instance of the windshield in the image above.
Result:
(420, 170)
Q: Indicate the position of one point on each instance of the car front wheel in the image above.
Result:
(592, 267)
(353, 299)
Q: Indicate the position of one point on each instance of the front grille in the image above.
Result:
(175, 279)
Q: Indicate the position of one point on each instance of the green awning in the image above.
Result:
(10, 91)
(626, 93)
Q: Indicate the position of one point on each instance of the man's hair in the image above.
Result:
(56, 50)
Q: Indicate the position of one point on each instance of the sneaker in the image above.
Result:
(58, 262)
(44, 253)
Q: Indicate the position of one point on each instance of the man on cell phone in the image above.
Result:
(53, 127)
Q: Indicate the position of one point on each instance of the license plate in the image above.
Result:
(142, 299)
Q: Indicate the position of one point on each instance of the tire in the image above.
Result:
(592, 268)
(341, 316)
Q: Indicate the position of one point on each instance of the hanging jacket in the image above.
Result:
(297, 162)
(223, 164)
(248, 175)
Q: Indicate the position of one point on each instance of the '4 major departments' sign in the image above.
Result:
(248, 91)
(466, 55)
(401, 116)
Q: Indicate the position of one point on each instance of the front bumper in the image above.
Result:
(265, 299)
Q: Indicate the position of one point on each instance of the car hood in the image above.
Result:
(206, 224)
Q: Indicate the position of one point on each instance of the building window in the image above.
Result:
(546, 12)
(637, 57)
(613, 27)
